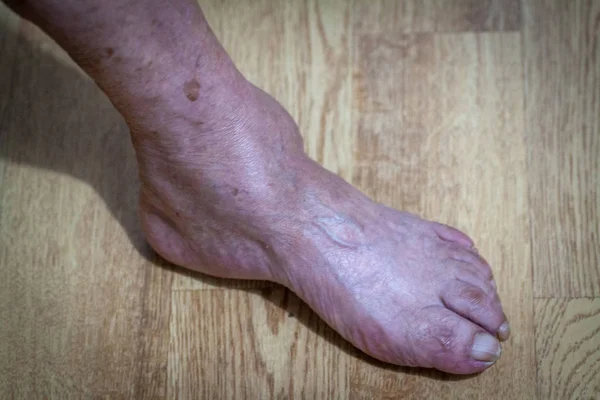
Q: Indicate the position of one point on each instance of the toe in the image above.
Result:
(453, 235)
(473, 258)
(478, 274)
(453, 344)
(479, 306)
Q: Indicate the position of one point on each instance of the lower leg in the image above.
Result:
(227, 190)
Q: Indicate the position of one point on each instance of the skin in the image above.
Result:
(227, 190)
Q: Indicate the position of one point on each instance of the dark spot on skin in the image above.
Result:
(235, 191)
(109, 52)
(191, 89)
(263, 244)
(177, 213)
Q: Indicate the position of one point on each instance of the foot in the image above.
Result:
(234, 195)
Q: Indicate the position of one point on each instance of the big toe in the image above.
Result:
(451, 343)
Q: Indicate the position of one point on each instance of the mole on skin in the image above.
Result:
(191, 89)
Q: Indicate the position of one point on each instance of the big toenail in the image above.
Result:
(485, 348)
(504, 331)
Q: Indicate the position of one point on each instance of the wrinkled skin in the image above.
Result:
(228, 190)
(248, 203)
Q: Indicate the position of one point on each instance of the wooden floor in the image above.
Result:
(483, 114)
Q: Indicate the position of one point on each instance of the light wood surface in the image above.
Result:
(480, 114)
(562, 70)
(567, 352)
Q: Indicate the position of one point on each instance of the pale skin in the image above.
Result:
(227, 190)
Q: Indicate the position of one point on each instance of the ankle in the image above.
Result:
(240, 134)
(164, 96)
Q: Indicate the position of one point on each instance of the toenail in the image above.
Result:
(485, 348)
(504, 331)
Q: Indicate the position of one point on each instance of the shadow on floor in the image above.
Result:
(52, 117)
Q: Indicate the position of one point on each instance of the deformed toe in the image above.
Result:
(474, 304)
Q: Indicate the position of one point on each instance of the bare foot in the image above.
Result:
(228, 190)
(235, 196)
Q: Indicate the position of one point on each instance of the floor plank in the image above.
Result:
(440, 132)
(82, 311)
(252, 344)
(426, 16)
(568, 348)
(562, 54)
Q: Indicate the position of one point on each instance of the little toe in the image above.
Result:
(479, 306)
(453, 235)
(454, 344)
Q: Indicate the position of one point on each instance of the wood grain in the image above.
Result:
(568, 348)
(440, 133)
(562, 59)
(441, 16)
(82, 311)
(260, 344)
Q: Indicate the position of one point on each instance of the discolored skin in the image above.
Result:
(228, 190)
